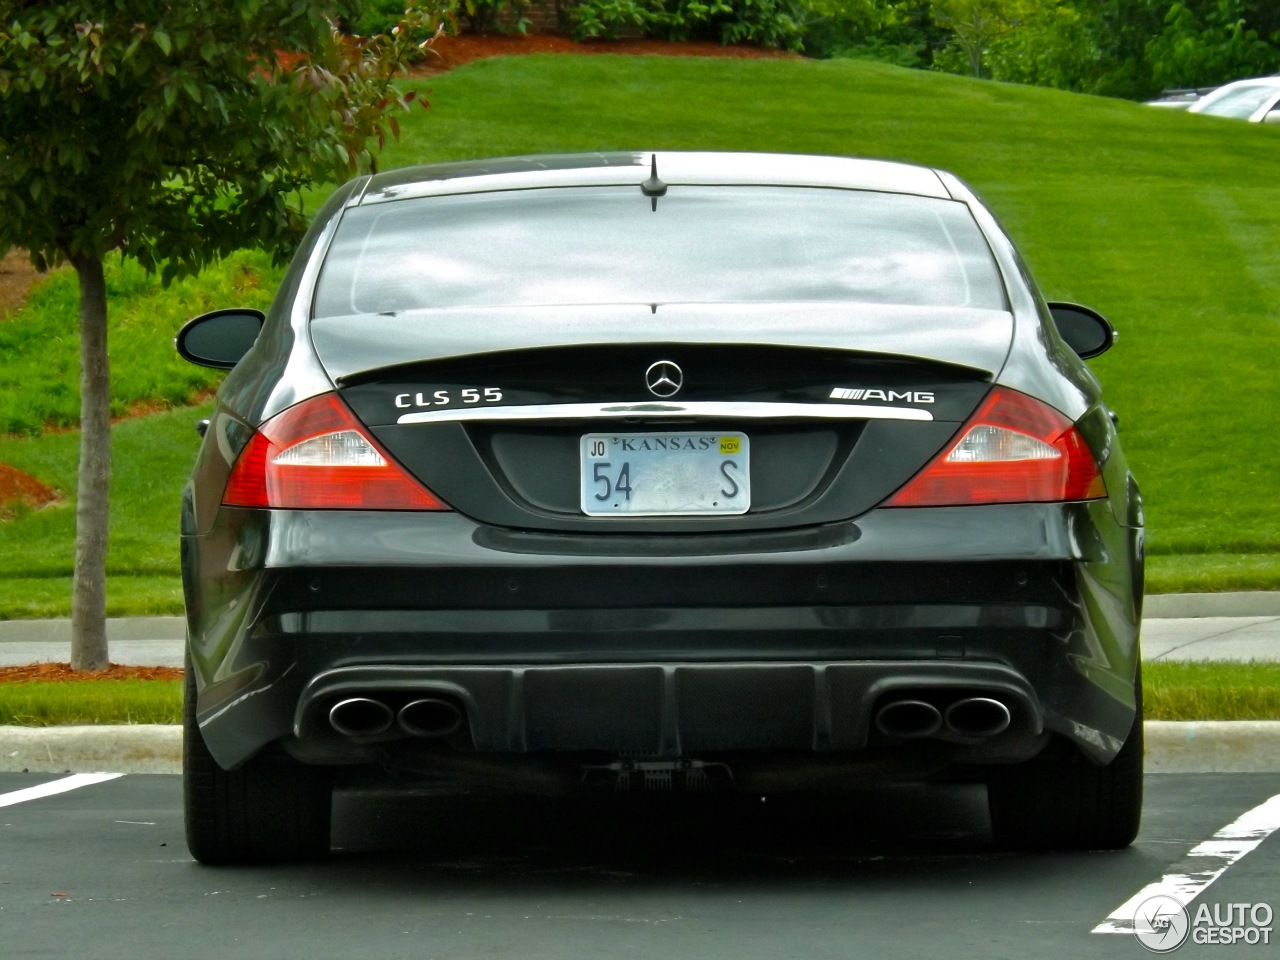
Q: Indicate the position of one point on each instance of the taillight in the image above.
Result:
(1015, 449)
(317, 455)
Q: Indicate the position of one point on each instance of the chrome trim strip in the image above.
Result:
(746, 410)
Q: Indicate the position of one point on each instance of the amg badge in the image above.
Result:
(887, 396)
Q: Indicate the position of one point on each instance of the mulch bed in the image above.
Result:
(16, 278)
(16, 486)
(449, 52)
(59, 672)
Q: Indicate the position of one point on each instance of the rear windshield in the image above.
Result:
(597, 245)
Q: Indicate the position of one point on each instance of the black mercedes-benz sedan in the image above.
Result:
(678, 471)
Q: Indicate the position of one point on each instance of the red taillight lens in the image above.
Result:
(318, 456)
(1015, 449)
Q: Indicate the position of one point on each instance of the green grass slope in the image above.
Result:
(1168, 223)
(151, 458)
(40, 347)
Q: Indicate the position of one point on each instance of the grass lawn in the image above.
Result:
(1168, 223)
(151, 458)
(1211, 691)
(39, 349)
(89, 702)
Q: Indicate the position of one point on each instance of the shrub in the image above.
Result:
(469, 16)
(766, 23)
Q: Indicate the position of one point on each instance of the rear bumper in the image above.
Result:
(664, 646)
(673, 710)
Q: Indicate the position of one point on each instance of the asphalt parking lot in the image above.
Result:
(101, 871)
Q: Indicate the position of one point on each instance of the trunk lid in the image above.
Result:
(838, 407)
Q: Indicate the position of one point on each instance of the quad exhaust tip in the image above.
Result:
(430, 717)
(908, 719)
(367, 717)
(360, 717)
(978, 717)
(968, 717)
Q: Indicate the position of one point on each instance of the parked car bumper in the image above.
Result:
(670, 646)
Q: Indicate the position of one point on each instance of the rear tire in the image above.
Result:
(1066, 802)
(272, 809)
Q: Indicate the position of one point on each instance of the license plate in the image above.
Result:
(665, 474)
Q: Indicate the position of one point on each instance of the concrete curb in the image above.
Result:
(140, 748)
(1177, 606)
(1207, 746)
(1213, 746)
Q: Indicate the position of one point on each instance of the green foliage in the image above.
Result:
(974, 26)
(1047, 44)
(899, 32)
(174, 132)
(487, 16)
(1212, 47)
(765, 23)
(607, 18)
(1129, 48)
(375, 17)
(39, 345)
(474, 16)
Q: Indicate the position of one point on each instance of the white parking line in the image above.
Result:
(55, 787)
(1204, 864)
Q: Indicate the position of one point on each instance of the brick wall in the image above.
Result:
(544, 16)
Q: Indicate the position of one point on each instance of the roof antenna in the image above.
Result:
(653, 187)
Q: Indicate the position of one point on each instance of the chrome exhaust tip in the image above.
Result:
(360, 717)
(978, 717)
(908, 719)
(430, 717)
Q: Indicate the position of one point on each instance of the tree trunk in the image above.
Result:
(975, 61)
(89, 590)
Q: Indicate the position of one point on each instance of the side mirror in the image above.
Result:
(219, 339)
(1086, 331)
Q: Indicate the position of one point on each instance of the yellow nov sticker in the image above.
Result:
(730, 445)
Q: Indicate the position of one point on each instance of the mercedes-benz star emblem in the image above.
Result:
(664, 378)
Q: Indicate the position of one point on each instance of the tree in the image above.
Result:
(1049, 44)
(974, 25)
(173, 133)
(1210, 43)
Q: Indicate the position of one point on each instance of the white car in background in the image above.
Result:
(1257, 100)
(1177, 99)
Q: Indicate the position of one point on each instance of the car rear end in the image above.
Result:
(722, 474)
